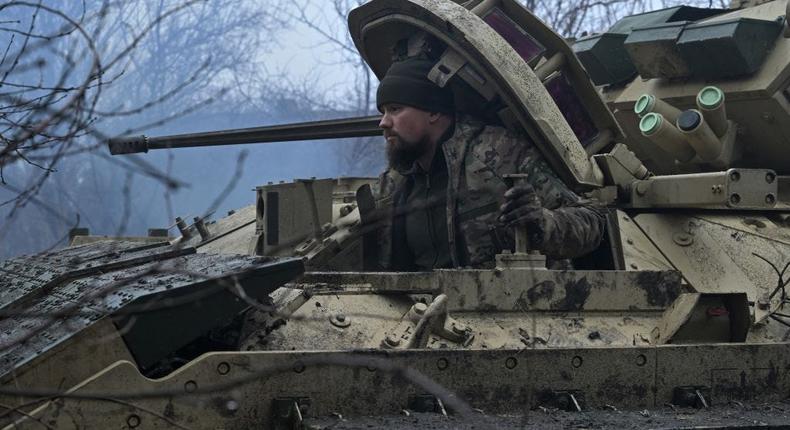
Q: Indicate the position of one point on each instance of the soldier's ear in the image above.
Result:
(433, 117)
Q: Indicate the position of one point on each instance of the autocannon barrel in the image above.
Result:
(328, 129)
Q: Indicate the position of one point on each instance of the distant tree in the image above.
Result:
(74, 73)
(342, 84)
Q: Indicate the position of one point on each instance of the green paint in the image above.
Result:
(644, 104)
(710, 98)
(650, 123)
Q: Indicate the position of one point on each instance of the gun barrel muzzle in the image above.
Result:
(313, 130)
(128, 145)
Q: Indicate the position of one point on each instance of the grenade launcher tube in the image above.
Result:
(314, 130)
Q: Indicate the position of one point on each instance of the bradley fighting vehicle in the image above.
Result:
(678, 120)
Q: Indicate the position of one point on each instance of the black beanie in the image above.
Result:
(407, 83)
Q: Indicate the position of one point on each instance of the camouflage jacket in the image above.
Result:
(477, 157)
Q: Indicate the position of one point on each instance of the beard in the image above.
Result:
(401, 154)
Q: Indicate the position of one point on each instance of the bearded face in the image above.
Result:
(402, 153)
(407, 131)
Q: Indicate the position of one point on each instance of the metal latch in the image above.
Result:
(422, 321)
(691, 396)
(426, 403)
(288, 412)
(566, 400)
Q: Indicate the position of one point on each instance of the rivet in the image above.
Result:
(133, 421)
(511, 363)
(232, 405)
(641, 188)
(340, 320)
(735, 198)
(190, 386)
(299, 367)
(682, 239)
(770, 199)
(442, 363)
(770, 177)
(223, 368)
(641, 360)
(577, 361)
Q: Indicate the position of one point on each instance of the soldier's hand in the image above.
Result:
(523, 207)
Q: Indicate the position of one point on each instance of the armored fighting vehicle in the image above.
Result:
(678, 120)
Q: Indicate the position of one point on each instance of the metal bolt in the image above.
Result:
(577, 361)
(763, 303)
(641, 360)
(223, 368)
(133, 421)
(340, 320)
(735, 176)
(511, 363)
(735, 198)
(770, 177)
(182, 228)
(642, 188)
(442, 363)
(770, 199)
(459, 328)
(392, 341)
(420, 308)
(200, 225)
(190, 386)
(299, 367)
(683, 239)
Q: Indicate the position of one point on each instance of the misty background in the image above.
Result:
(73, 74)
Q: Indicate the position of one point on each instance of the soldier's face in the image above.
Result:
(407, 131)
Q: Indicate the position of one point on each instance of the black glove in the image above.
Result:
(523, 208)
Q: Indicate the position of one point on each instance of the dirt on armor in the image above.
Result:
(731, 415)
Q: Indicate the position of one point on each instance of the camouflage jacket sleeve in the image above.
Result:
(384, 192)
(574, 225)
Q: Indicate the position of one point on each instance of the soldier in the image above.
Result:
(445, 199)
